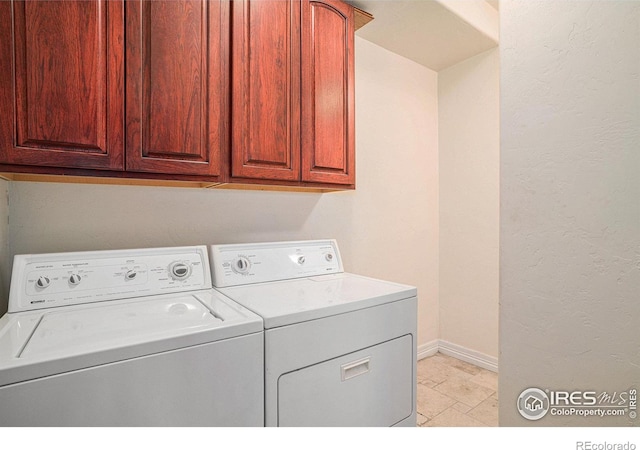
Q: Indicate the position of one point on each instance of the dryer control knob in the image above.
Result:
(329, 257)
(179, 270)
(43, 282)
(241, 265)
(301, 260)
(130, 275)
(75, 279)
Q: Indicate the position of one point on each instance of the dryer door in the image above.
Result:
(370, 387)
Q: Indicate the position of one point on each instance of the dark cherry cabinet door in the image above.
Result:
(177, 55)
(266, 89)
(61, 101)
(328, 124)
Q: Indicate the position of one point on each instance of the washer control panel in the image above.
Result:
(58, 279)
(238, 264)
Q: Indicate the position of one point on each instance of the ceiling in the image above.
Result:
(434, 33)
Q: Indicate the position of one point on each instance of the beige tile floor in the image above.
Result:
(453, 393)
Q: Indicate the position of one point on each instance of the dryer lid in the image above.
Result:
(287, 302)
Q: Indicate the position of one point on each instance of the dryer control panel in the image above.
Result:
(239, 264)
(60, 279)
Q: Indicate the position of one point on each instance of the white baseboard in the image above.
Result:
(459, 352)
(471, 356)
(428, 349)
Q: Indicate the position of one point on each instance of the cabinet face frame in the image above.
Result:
(62, 108)
(189, 135)
(265, 109)
(328, 92)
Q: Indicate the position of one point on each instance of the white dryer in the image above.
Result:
(127, 338)
(340, 349)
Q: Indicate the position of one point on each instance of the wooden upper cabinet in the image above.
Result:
(177, 86)
(65, 105)
(293, 91)
(328, 124)
(266, 89)
(211, 90)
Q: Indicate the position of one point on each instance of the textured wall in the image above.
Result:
(469, 154)
(570, 201)
(387, 228)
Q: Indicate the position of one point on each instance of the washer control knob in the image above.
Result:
(329, 257)
(43, 282)
(301, 260)
(75, 279)
(180, 270)
(130, 275)
(242, 264)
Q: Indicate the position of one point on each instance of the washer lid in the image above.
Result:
(107, 326)
(35, 344)
(286, 302)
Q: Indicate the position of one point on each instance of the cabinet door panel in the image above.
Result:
(266, 89)
(68, 90)
(328, 152)
(176, 86)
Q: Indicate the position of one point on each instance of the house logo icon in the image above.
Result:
(533, 404)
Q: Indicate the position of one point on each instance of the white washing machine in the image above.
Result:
(127, 338)
(340, 349)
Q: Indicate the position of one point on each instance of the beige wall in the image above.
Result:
(4, 239)
(570, 202)
(469, 149)
(387, 228)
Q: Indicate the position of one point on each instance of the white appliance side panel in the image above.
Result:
(368, 388)
(216, 384)
(304, 344)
